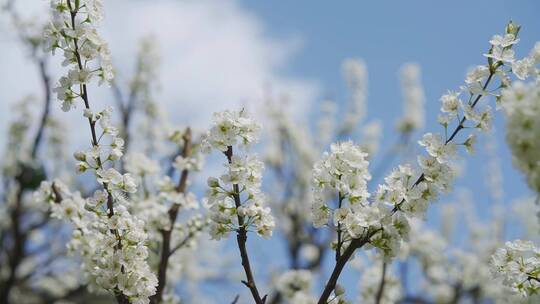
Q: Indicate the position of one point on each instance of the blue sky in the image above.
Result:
(444, 37)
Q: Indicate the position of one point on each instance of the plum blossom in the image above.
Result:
(518, 264)
(235, 199)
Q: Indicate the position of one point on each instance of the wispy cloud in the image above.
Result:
(215, 55)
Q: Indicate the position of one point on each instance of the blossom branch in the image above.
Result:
(69, 31)
(339, 240)
(166, 234)
(433, 148)
(358, 243)
(340, 264)
(241, 239)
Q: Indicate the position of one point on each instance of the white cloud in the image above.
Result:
(215, 55)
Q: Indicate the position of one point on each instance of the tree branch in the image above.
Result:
(241, 239)
(340, 264)
(166, 234)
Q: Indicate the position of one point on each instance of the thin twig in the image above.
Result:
(241, 239)
(340, 264)
(339, 240)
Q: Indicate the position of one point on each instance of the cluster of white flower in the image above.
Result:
(235, 199)
(295, 285)
(452, 105)
(344, 170)
(110, 240)
(521, 103)
(502, 52)
(518, 263)
(501, 47)
(73, 30)
(230, 128)
(407, 192)
(113, 261)
(101, 153)
(413, 98)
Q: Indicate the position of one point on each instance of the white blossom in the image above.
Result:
(522, 108)
(229, 129)
(235, 199)
(518, 263)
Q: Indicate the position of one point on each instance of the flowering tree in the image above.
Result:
(137, 230)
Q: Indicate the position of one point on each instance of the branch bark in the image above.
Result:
(340, 264)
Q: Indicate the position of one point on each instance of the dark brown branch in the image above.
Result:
(340, 264)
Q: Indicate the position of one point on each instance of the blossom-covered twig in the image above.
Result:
(110, 231)
(227, 210)
(166, 250)
(383, 228)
